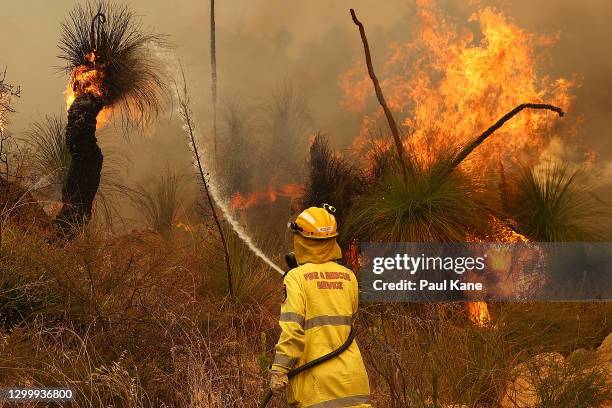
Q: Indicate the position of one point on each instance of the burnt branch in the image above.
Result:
(380, 96)
(480, 139)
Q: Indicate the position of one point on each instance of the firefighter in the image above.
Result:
(320, 299)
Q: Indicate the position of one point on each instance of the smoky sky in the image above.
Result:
(261, 43)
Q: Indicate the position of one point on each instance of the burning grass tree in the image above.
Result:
(111, 65)
(49, 156)
(431, 201)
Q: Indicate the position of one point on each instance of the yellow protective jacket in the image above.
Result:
(320, 300)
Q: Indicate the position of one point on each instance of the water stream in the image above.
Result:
(237, 227)
(174, 68)
(226, 211)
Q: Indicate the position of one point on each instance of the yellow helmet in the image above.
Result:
(316, 223)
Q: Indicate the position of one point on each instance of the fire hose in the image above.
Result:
(310, 364)
(292, 263)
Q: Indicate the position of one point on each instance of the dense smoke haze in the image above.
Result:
(266, 46)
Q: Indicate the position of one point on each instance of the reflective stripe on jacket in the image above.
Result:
(316, 317)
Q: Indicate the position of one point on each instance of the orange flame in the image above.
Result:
(478, 313)
(88, 79)
(508, 268)
(445, 88)
(270, 195)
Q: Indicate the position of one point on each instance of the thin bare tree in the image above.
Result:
(186, 115)
(213, 72)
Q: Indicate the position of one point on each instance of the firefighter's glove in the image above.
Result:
(278, 382)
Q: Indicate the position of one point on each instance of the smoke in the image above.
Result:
(260, 43)
(205, 161)
(222, 204)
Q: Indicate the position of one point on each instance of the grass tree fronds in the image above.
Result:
(50, 157)
(429, 207)
(554, 204)
(383, 160)
(331, 179)
(133, 76)
(159, 200)
(288, 120)
(503, 185)
(381, 98)
(186, 114)
(235, 160)
(480, 139)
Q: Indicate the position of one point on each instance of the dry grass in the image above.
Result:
(423, 355)
(142, 321)
(159, 200)
(130, 322)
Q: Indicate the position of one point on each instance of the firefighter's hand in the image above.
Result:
(278, 382)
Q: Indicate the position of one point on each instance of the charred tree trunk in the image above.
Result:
(85, 168)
